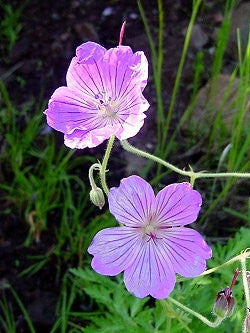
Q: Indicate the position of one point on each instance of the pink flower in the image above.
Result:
(103, 96)
(152, 245)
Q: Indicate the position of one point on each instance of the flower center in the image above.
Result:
(109, 110)
(151, 231)
(107, 107)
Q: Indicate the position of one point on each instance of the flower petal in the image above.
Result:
(89, 51)
(151, 272)
(114, 249)
(177, 204)
(68, 111)
(125, 75)
(131, 118)
(187, 250)
(92, 138)
(83, 74)
(132, 202)
(124, 71)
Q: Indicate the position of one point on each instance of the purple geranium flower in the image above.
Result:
(152, 245)
(103, 96)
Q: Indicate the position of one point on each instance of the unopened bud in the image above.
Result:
(97, 197)
(246, 324)
(224, 303)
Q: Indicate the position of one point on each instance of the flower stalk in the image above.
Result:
(244, 278)
(240, 257)
(206, 321)
(94, 167)
(104, 164)
(96, 194)
(191, 174)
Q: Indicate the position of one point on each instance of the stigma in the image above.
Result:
(150, 231)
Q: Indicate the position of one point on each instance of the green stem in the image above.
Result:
(191, 174)
(244, 255)
(104, 164)
(215, 323)
(168, 325)
(241, 257)
(95, 166)
(244, 280)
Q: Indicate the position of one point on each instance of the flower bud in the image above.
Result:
(97, 197)
(246, 324)
(224, 303)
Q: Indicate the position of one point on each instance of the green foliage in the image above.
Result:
(242, 216)
(218, 134)
(7, 319)
(41, 181)
(204, 289)
(118, 311)
(234, 246)
(6, 313)
(10, 26)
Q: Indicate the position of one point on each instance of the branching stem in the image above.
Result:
(191, 174)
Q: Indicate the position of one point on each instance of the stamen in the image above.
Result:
(107, 108)
(151, 231)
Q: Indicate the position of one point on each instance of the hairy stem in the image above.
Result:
(243, 256)
(104, 164)
(209, 323)
(191, 174)
(244, 279)
(95, 166)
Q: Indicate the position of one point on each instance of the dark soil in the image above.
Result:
(51, 31)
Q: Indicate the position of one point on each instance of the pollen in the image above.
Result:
(149, 229)
(107, 107)
(109, 110)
